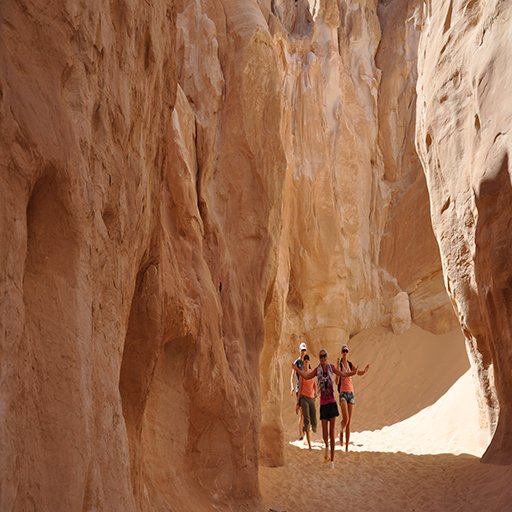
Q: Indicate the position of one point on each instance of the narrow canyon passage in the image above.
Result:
(189, 190)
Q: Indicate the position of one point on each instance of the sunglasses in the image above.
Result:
(345, 350)
(322, 356)
(306, 358)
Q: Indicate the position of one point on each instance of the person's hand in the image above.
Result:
(297, 407)
(367, 368)
(291, 392)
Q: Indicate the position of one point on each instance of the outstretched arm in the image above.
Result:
(346, 374)
(362, 372)
(303, 374)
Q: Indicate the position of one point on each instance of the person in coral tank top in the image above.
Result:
(324, 373)
(306, 402)
(346, 391)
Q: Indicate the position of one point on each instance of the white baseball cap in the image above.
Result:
(303, 346)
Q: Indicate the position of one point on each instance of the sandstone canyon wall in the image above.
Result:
(357, 238)
(139, 238)
(463, 141)
(188, 190)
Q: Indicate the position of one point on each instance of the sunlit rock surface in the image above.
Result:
(400, 313)
(189, 190)
(463, 122)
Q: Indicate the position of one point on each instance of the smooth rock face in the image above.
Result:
(463, 141)
(400, 314)
(407, 251)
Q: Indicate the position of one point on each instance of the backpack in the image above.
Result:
(339, 383)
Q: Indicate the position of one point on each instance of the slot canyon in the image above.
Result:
(189, 190)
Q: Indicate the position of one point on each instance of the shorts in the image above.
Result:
(329, 411)
(347, 396)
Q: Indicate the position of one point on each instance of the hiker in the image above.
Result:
(324, 373)
(294, 381)
(346, 391)
(306, 402)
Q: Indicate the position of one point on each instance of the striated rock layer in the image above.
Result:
(463, 141)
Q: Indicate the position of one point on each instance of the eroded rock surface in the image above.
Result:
(191, 189)
(463, 140)
(86, 95)
(139, 234)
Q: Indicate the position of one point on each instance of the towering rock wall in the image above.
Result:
(356, 217)
(86, 91)
(191, 189)
(407, 250)
(139, 229)
(227, 148)
(463, 123)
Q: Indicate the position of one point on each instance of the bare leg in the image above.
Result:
(332, 435)
(344, 421)
(350, 408)
(308, 438)
(325, 434)
(301, 422)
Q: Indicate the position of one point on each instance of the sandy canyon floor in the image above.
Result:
(415, 444)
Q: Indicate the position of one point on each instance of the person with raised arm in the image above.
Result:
(328, 408)
(346, 391)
